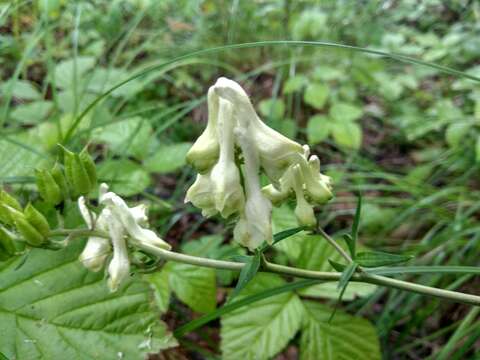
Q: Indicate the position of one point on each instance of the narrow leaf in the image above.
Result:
(248, 272)
(281, 236)
(351, 244)
(337, 266)
(342, 285)
(356, 223)
(378, 258)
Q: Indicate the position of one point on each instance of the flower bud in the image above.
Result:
(7, 242)
(77, 175)
(7, 201)
(47, 187)
(37, 220)
(60, 180)
(89, 166)
(204, 152)
(29, 233)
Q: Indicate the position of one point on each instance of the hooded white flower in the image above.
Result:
(290, 168)
(122, 224)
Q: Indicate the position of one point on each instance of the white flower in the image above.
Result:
(119, 267)
(122, 224)
(255, 225)
(97, 249)
(125, 216)
(204, 152)
(200, 194)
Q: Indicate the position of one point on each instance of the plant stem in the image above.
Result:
(287, 270)
(335, 245)
(317, 275)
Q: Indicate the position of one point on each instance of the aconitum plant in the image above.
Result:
(244, 169)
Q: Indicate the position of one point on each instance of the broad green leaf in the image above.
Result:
(265, 327)
(193, 285)
(345, 112)
(347, 134)
(161, 288)
(124, 176)
(317, 129)
(295, 83)
(456, 132)
(65, 71)
(31, 113)
(378, 258)
(315, 255)
(272, 108)
(168, 158)
(103, 79)
(283, 219)
(327, 73)
(345, 338)
(130, 136)
(54, 308)
(23, 89)
(316, 95)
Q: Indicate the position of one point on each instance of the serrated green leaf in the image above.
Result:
(125, 177)
(316, 95)
(193, 285)
(168, 158)
(378, 258)
(346, 337)
(32, 113)
(65, 71)
(317, 129)
(54, 308)
(23, 89)
(265, 327)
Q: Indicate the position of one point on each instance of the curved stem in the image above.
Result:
(317, 275)
(287, 270)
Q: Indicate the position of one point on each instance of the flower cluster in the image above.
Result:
(229, 157)
(125, 226)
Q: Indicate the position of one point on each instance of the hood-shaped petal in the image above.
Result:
(303, 210)
(123, 214)
(200, 194)
(97, 249)
(205, 151)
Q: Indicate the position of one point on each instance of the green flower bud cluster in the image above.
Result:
(227, 187)
(29, 223)
(77, 178)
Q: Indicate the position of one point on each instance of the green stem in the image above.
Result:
(317, 275)
(287, 270)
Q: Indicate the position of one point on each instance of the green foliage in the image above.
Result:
(52, 307)
(345, 337)
(265, 335)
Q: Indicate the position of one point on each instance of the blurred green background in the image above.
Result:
(406, 136)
